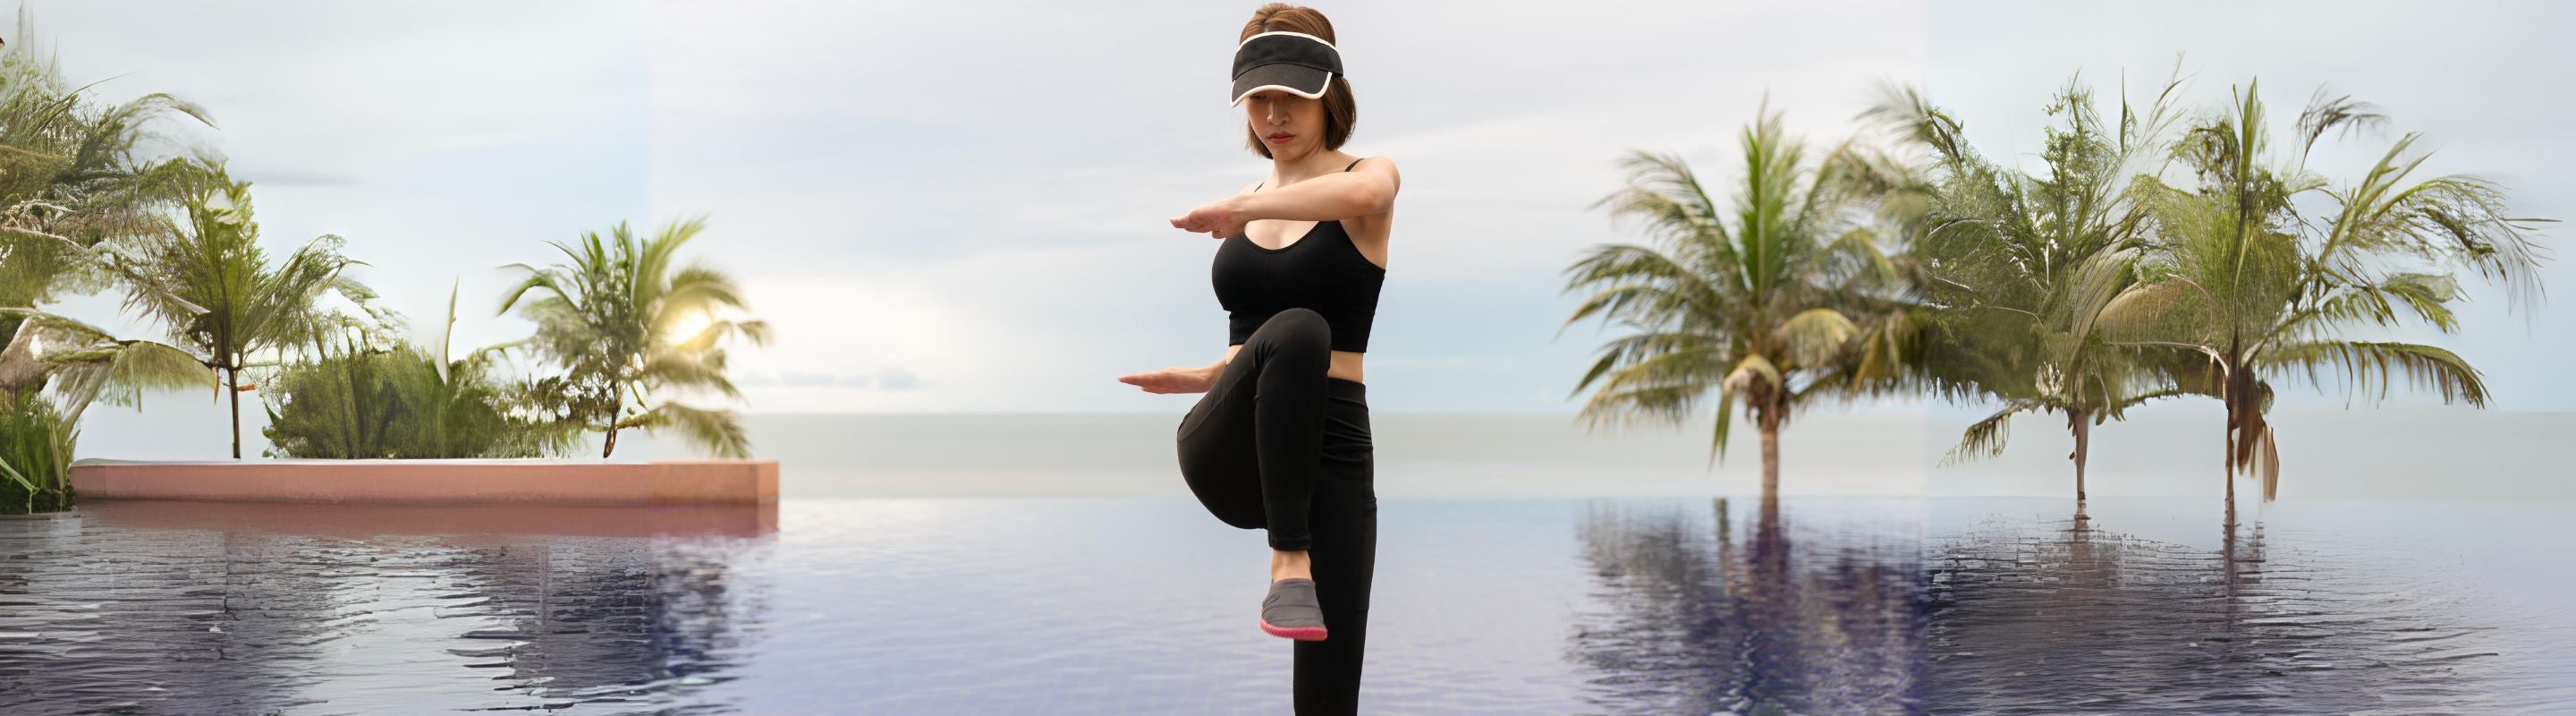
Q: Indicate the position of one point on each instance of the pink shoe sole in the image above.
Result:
(1297, 633)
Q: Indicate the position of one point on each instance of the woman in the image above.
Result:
(1281, 440)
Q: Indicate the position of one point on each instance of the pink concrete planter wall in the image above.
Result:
(518, 482)
(482, 524)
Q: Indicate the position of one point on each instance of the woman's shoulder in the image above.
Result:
(1382, 166)
(1375, 162)
(1374, 228)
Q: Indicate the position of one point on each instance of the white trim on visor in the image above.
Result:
(1328, 84)
(1318, 40)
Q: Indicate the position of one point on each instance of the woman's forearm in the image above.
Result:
(1332, 196)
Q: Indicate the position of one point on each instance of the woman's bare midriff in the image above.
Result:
(1345, 364)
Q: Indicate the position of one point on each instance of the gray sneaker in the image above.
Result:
(1292, 611)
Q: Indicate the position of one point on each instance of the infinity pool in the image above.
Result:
(1142, 606)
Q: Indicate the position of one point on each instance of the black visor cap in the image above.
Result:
(1297, 63)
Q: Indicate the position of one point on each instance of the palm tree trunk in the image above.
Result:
(2229, 472)
(2083, 430)
(616, 412)
(1770, 456)
(232, 386)
(2230, 525)
(2243, 413)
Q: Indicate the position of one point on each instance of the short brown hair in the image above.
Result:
(1340, 111)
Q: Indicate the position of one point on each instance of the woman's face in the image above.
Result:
(1288, 125)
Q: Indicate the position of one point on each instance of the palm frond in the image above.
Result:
(1639, 283)
(1815, 336)
(2365, 364)
(1987, 437)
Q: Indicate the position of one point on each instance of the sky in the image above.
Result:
(960, 206)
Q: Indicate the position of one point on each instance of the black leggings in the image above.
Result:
(1276, 444)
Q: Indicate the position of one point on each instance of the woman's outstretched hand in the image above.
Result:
(1172, 380)
(1218, 219)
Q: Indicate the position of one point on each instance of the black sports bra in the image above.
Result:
(1254, 282)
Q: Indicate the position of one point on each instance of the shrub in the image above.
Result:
(35, 455)
(395, 404)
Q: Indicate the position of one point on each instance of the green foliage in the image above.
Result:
(70, 178)
(1784, 297)
(393, 403)
(629, 326)
(35, 456)
(409, 401)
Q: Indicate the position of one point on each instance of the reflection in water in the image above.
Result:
(2126, 625)
(2010, 616)
(1706, 621)
(241, 608)
(1815, 606)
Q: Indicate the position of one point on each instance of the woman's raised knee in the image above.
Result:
(1298, 327)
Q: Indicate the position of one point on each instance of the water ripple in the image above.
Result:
(1848, 608)
(115, 608)
(1144, 606)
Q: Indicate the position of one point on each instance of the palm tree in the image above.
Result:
(2243, 278)
(1792, 302)
(2019, 264)
(70, 178)
(207, 279)
(626, 326)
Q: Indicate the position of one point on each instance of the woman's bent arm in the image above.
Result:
(1366, 190)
